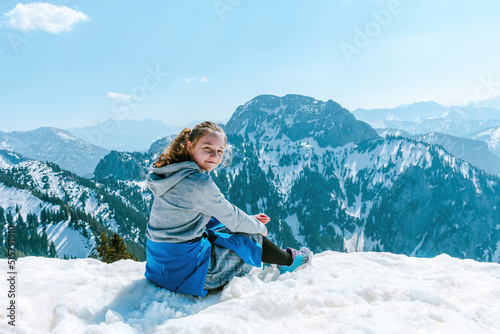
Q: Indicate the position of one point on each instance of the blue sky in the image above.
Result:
(70, 63)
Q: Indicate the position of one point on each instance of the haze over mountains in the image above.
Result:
(125, 135)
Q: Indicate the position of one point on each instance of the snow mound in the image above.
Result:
(336, 293)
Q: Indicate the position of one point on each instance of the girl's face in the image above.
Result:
(208, 152)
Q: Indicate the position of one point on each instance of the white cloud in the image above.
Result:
(118, 96)
(202, 79)
(44, 16)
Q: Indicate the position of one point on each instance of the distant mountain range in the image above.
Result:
(54, 145)
(125, 135)
(493, 102)
(75, 152)
(479, 120)
(420, 111)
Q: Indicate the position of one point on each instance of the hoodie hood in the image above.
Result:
(160, 180)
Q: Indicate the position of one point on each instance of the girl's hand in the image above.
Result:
(264, 234)
(263, 218)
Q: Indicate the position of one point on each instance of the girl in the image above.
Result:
(196, 239)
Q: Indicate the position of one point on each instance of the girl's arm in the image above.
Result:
(208, 199)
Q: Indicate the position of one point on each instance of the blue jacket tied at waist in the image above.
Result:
(182, 267)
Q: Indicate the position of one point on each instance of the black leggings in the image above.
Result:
(274, 255)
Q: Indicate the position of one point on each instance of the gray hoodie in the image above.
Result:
(184, 199)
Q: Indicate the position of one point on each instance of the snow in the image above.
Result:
(496, 255)
(293, 222)
(420, 245)
(10, 198)
(355, 242)
(67, 241)
(336, 293)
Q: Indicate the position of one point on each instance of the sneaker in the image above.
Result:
(299, 258)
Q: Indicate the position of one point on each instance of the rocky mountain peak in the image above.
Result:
(120, 166)
(298, 117)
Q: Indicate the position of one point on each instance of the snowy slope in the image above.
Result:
(68, 242)
(473, 151)
(490, 137)
(336, 293)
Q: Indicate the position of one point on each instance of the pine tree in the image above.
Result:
(1, 240)
(52, 250)
(44, 242)
(102, 248)
(119, 250)
(111, 250)
(44, 219)
(2, 216)
(9, 218)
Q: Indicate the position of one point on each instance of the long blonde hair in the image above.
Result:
(177, 149)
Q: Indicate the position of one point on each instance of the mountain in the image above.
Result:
(54, 145)
(412, 112)
(62, 208)
(426, 117)
(297, 117)
(130, 166)
(125, 135)
(478, 112)
(121, 166)
(493, 102)
(475, 152)
(452, 127)
(9, 158)
(491, 137)
(421, 111)
(336, 293)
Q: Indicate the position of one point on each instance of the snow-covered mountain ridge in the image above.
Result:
(336, 293)
(491, 137)
(475, 152)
